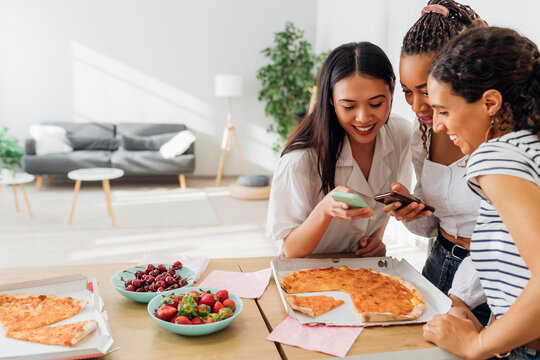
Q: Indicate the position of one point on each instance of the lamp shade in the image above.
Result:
(228, 85)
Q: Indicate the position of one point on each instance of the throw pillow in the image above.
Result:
(92, 143)
(178, 144)
(50, 139)
(152, 142)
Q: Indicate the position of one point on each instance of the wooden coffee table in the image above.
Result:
(20, 179)
(95, 174)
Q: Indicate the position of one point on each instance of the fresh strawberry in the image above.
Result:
(182, 320)
(217, 306)
(222, 295)
(203, 309)
(225, 313)
(166, 312)
(194, 294)
(197, 321)
(187, 307)
(229, 303)
(171, 300)
(212, 318)
(207, 299)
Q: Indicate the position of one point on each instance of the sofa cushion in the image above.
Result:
(61, 164)
(147, 129)
(50, 139)
(93, 143)
(151, 163)
(87, 129)
(152, 142)
(178, 145)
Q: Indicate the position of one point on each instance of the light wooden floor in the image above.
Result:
(153, 216)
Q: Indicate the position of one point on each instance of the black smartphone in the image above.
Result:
(390, 197)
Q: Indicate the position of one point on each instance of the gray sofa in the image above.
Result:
(105, 145)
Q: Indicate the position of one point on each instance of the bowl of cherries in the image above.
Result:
(144, 281)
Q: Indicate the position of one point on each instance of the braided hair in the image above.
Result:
(433, 31)
(500, 59)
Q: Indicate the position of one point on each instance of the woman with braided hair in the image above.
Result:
(438, 163)
(484, 88)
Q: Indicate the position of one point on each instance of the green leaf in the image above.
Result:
(10, 151)
(286, 79)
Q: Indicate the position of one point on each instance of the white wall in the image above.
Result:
(385, 22)
(144, 61)
(155, 61)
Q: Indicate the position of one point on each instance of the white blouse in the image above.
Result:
(445, 188)
(296, 187)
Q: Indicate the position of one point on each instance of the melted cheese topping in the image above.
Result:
(369, 291)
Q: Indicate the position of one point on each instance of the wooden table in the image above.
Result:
(19, 179)
(371, 340)
(138, 337)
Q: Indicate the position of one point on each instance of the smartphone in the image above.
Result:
(390, 197)
(354, 201)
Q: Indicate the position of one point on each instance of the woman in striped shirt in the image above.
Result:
(484, 88)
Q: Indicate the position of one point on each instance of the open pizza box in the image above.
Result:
(95, 344)
(346, 315)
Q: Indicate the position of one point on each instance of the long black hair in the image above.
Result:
(320, 130)
(495, 58)
(432, 31)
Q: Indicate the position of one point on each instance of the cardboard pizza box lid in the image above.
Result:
(96, 344)
(345, 315)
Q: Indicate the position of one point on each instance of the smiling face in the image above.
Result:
(465, 123)
(362, 106)
(413, 70)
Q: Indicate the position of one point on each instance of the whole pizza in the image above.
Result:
(376, 296)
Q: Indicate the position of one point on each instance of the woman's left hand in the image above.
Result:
(371, 246)
(455, 335)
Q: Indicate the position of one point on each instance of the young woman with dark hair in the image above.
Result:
(348, 143)
(438, 163)
(484, 88)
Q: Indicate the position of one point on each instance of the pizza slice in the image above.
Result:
(312, 305)
(19, 312)
(65, 335)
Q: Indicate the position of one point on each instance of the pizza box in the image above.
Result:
(345, 315)
(95, 344)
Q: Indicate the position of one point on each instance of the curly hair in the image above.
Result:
(495, 58)
(432, 31)
(320, 130)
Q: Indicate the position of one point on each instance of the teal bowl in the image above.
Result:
(144, 297)
(193, 330)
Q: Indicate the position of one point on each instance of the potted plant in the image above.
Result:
(10, 153)
(287, 80)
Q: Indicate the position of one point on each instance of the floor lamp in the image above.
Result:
(228, 86)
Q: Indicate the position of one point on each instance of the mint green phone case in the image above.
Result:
(354, 201)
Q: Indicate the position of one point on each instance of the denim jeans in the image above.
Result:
(522, 353)
(440, 268)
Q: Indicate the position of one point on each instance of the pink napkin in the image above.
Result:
(196, 263)
(332, 340)
(247, 285)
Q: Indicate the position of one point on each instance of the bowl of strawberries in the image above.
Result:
(195, 311)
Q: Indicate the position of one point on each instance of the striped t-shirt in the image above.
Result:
(503, 273)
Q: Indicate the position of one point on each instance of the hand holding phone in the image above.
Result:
(354, 201)
(391, 196)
